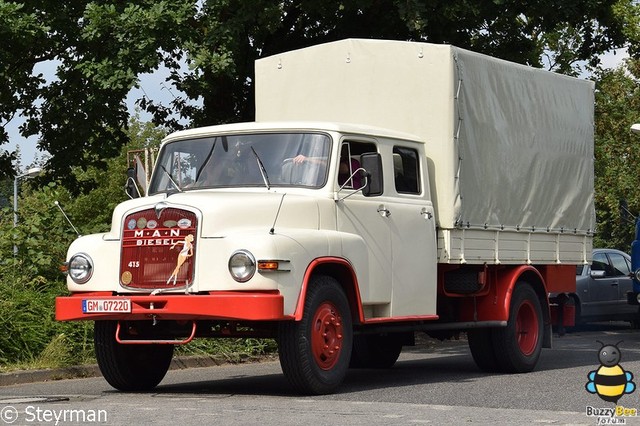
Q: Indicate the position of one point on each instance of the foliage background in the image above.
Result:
(30, 281)
(100, 48)
(617, 155)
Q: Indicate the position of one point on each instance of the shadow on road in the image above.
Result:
(431, 362)
(584, 341)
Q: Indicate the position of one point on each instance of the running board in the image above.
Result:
(427, 326)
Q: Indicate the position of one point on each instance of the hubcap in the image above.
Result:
(527, 328)
(326, 336)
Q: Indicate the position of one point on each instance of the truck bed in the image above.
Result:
(472, 246)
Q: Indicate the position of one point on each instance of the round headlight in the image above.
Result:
(80, 268)
(242, 265)
(636, 274)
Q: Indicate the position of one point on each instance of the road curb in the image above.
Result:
(92, 370)
(45, 375)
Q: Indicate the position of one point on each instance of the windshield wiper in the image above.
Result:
(171, 178)
(263, 171)
(208, 157)
(204, 163)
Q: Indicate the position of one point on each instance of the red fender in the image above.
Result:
(495, 305)
(353, 292)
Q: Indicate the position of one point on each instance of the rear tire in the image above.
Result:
(129, 367)
(482, 349)
(315, 352)
(517, 347)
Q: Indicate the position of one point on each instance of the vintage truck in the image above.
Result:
(386, 188)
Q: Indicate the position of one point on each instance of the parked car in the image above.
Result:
(601, 289)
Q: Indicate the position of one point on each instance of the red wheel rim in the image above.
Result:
(527, 327)
(326, 336)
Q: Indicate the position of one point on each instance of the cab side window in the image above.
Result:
(406, 171)
(349, 162)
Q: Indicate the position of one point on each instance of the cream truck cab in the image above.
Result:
(441, 191)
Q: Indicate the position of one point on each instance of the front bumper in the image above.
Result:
(223, 305)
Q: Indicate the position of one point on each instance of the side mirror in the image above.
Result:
(597, 274)
(130, 187)
(371, 162)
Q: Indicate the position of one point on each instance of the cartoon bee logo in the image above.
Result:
(610, 381)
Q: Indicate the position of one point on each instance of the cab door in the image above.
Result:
(358, 215)
(411, 224)
(398, 227)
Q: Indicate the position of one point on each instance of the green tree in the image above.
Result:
(22, 34)
(100, 48)
(617, 155)
(91, 212)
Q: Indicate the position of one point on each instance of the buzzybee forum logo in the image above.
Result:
(610, 382)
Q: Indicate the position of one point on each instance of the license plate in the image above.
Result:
(99, 306)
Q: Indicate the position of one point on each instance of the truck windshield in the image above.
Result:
(289, 159)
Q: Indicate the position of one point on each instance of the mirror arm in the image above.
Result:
(135, 185)
(358, 170)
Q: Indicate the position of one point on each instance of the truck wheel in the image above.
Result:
(129, 367)
(482, 349)
(517, 347)
(375, 350)
(314, 352)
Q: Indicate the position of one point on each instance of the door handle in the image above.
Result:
(384, 212)
(426, 213)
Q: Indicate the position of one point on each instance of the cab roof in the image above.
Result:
(289, 126)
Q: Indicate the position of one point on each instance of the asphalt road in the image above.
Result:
(432, 383)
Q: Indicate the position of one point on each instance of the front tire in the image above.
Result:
(129, 367)
(314, 352)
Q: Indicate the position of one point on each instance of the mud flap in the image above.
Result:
(547, 339)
